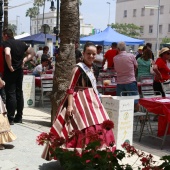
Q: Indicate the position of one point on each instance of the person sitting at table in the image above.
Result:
(161, 62)
(40, 69)
(47, 55)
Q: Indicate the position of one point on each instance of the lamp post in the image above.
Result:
(157, 34)
(56, 31)
(1, 22)
(17, 24)
(109, 14)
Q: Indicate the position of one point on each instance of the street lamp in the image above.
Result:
(1, 22)
(109, 14)
(17, 23)
(56, 31)
(157, 36)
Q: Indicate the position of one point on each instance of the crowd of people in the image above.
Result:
(129, 69)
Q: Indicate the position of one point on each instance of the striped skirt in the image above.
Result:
(88, 115)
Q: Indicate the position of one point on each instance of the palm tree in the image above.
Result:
(40, 3)
(69, 26)
(32, 13)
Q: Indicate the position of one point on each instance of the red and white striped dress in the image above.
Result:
(88, 114)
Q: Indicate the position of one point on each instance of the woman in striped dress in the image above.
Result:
(81, 109)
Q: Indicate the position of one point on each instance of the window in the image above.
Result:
(134, 13)
(151, 11)
(160, 28)
(38, 22)
(141, 29)
(125, 13)
(143, 12)
(161, 9)
(47, 21)
(35, 22)
(51, 20)
(168, 27)
(150, 28)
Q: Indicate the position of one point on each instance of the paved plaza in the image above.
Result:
(25, 154)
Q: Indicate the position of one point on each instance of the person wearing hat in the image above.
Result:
(161, 63)
(140, 52)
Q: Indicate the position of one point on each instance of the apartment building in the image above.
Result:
(134, 11)
(50, 19)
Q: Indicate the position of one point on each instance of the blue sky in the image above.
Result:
(95, 12)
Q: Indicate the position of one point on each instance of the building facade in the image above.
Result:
(134, 11)
(50, 19)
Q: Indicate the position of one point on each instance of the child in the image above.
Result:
(5, 132)
(38, 70)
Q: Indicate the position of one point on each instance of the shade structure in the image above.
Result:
(108, 36)
(39, 38)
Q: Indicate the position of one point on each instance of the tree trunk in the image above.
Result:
(5, 14)
(30, 27)
(69, 26)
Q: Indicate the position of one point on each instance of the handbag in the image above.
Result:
(151, 67)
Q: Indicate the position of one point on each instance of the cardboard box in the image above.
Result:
(120, 111)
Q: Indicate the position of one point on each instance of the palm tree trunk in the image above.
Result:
(37, 19)
(30, 27)
(5, 14)
(69, 26)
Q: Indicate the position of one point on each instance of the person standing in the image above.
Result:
(82, 94)
(161, 62)
(140, 52)
(38, 55)
(110, 54)
(125, 66)
(99, 57)
(5, 132)
(13, 74)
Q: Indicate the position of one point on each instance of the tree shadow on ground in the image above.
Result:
(39, 122)
(53, 165)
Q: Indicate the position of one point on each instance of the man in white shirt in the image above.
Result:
(99, 57)
(38, 55)
(40, 69)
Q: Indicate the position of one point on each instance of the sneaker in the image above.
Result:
(2, 147)
(18, 120)
(11, 122)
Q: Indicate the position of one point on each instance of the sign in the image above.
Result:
(29, 90)
(121, 113)
(45, 29)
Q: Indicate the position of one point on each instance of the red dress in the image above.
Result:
(88, 114)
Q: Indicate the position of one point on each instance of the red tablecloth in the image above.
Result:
(38, 80)
(27, 72)
(157, 107)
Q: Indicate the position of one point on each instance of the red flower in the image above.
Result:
(107, 124)
(97, 156)
(42, 138)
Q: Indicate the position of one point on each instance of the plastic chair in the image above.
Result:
(166, 88)
(141, 112)
(46, 86)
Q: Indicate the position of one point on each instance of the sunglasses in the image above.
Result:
(168, 53)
